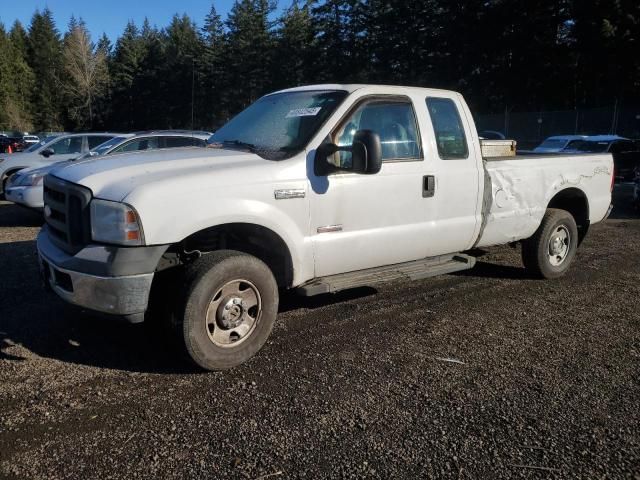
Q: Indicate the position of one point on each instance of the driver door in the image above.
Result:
(362, 221)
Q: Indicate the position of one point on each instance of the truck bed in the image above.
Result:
(518, 190)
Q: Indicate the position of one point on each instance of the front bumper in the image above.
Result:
(31, 197)
(103, 290)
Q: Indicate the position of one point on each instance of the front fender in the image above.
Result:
(167, 222)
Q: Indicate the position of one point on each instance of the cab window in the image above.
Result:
(96, 140)
(137, 145)
(448, 129)
(393, 120)
(176, 142)
(67, 146)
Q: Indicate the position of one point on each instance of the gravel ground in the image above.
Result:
(486, 374)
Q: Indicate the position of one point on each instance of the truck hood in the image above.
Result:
(114, 177)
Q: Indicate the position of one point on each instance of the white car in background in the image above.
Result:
(51, 150)
(25, 187)
(29, 140)
(559, 143)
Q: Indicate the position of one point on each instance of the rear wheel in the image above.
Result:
(550, 251)
(231, 304)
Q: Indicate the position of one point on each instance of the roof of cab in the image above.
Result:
(352, 87)
(566, 137)
(604, 138)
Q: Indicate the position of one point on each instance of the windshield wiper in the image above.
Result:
(239, 143)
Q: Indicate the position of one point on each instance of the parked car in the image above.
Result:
(626, 153)
(316, 189)
(492, 135)
(51, 150)
(558, 143)
(25, 187)
(151, 140)
(14, 144)
(28, 140)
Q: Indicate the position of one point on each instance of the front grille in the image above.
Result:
(67, 213)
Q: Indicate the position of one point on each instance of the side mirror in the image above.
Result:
(366, 155)
(47, 152)
(366, 152)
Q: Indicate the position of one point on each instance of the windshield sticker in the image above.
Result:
(303, 112)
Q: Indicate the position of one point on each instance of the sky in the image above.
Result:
(111, 16)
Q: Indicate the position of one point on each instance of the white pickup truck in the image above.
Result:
(318, 189)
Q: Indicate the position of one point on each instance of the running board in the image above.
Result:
(416, 270)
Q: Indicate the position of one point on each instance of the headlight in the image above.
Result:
(30, 180)
(115, 222)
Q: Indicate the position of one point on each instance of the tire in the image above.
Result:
(5, 182)
(550, 251)
(230, 307)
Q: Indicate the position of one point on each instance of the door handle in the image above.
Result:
(428, 186)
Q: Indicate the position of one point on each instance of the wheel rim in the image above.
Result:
(559, 245)
(233, 313)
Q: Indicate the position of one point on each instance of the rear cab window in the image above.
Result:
(176, 142)
(451, 139)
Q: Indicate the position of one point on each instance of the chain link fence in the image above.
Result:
(531, 128)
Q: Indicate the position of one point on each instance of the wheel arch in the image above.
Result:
(574, 201)
(7, 173)
(250, 238)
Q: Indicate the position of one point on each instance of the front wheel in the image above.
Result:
(231, 304)
(550, 251)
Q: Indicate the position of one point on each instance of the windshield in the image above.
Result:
(594, 147)
(278, 126)
(553, 143)
(41, 143)
(103, 147)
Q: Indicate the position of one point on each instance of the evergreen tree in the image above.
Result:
(183, 46)
(515, 55)
(20, 39)
(403, 41)
(340, 38)
(16, 81)
(44, 53)
(213, 81)
(607, 38)
(151, 94)
(250, 53)
(21, 78)
(295, 46)
(125, 67)
(104, 44)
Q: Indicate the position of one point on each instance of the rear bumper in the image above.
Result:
(102, 290)
(28, 196)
